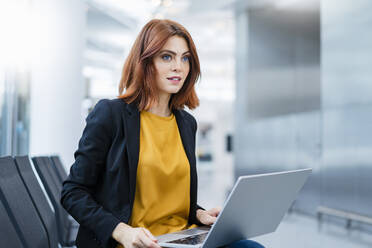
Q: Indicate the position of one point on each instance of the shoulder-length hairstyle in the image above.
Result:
(139, 73)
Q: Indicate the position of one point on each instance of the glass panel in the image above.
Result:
(14, 112)
(22, 129)
(2, 114)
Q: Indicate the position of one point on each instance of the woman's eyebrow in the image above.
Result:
(171, 52)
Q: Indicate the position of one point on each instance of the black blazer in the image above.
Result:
(99, 191)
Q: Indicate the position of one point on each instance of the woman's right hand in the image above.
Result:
(134, 236)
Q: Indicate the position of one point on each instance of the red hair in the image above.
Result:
(138, 75)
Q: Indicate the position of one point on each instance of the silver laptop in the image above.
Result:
(255, 206)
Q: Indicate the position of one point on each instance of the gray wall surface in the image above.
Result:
(304, 99)
(347, 105)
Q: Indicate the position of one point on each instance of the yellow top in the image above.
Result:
(162, 198)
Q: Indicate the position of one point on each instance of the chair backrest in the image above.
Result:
(21, 206)
(53, 189)
(39, 199)
(8, 234)
(61, 171)
(48, 164)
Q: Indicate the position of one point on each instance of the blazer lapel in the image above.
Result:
(131, 120)
(186, 135)
(188, 142)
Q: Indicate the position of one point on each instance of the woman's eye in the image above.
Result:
(186, 58)
(166, 57)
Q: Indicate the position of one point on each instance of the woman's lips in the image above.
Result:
(174, 80)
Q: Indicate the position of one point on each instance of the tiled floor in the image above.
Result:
(300, 231)
(295, 231)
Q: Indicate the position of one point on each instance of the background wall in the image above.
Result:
(278, 106)
(306, 99)
(347, 105)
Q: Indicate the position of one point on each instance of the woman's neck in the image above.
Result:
(161, 107)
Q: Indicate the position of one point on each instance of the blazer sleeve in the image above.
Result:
(90, 158)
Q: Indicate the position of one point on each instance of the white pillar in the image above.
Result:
(57, 86)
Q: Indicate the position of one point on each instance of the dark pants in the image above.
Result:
(245, 244)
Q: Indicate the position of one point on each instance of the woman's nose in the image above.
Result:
(176, 65)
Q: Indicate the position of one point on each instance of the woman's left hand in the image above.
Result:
(208, 217)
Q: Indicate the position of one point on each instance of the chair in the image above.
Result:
(39, 199)
(62, 175)
(67, 232)
(20, 206)
(58, 166)
(8, 234)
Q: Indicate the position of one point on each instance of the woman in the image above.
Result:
(134, 174)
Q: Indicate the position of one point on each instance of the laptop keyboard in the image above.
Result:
(191, 240)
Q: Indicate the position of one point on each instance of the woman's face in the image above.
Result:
(172, 65)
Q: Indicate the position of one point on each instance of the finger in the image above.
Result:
(149, 234)
(148, 241)
(212, 219)
(214, 211)
(145, 240)
(208, 219)
(136, 242)
(218, 210)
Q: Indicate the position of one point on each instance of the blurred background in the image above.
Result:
(285, 84)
